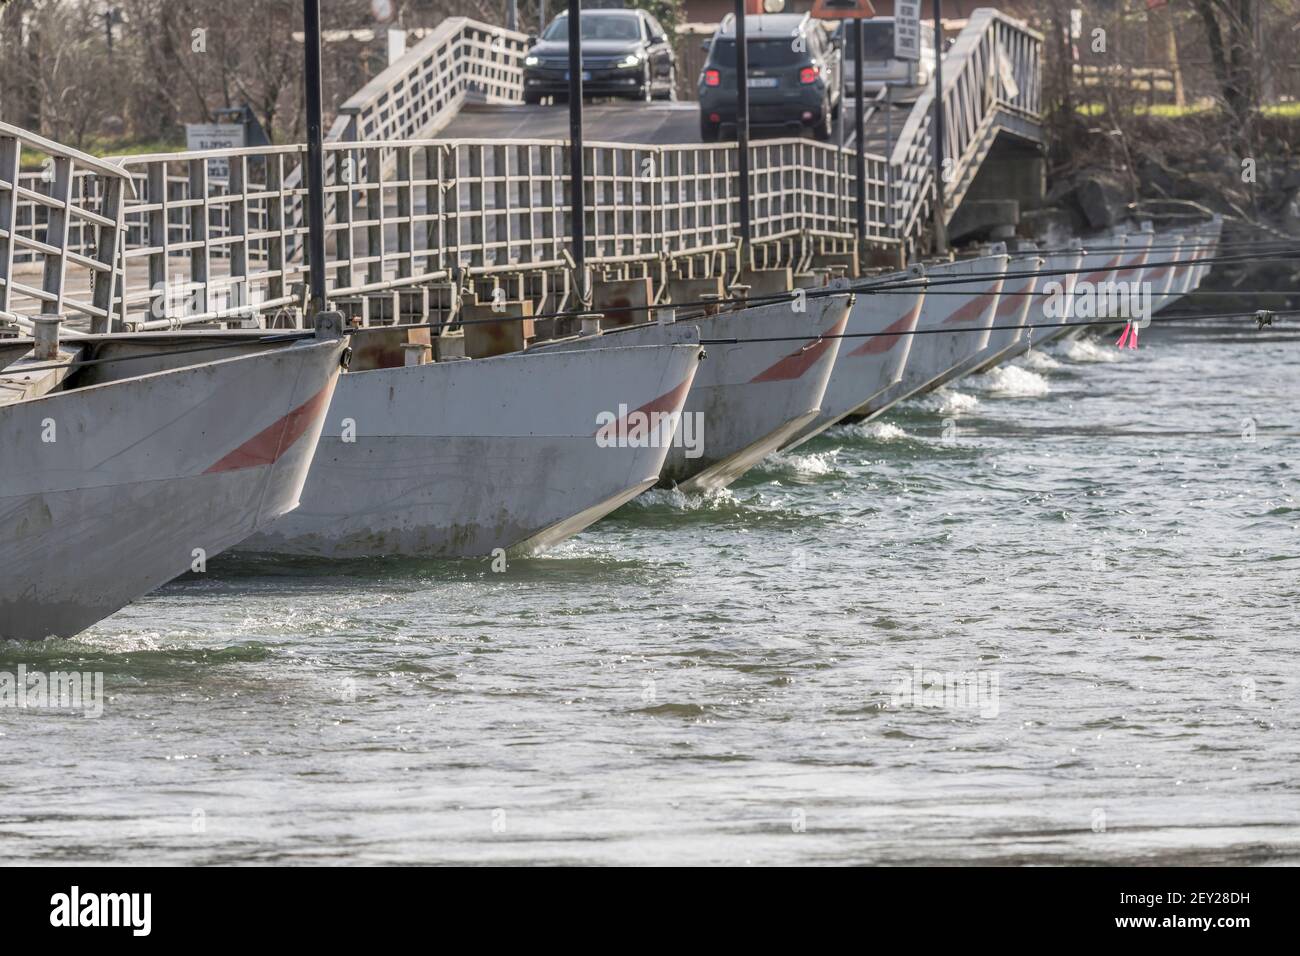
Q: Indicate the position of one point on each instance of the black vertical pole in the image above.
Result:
(940, 227)
(315, 159)
(859, 108)
(742, 129)
(577, 190)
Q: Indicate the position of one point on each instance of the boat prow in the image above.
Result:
(457, 459)
(957, 314)
(877, 341)
(762, 381)
(111, 489)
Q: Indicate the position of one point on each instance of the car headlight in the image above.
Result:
(632, 59)
(532, 60)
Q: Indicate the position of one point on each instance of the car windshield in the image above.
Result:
(762, 53)
(597, 26)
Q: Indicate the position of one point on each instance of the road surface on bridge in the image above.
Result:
(654, 124)
(657, 124)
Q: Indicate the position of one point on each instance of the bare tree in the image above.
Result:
(1230, 35)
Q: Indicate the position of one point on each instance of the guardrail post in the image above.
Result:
(276, 253)
(198, 215)
(374, 216)
(405, 213)
(859, 133)
(577, 187)
(435, 228)
(107, 241)
(10, 149)
(889, 160)
(315, 158)
(742, 131)
(240, 290)
(940, 226)
(159, 239)
(345, 174)
(56, 234)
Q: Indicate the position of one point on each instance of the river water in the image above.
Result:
(1050, 614)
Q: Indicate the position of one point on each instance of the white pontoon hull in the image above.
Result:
(953, 328)
(109, 491)
(460, 458)
(750, 396)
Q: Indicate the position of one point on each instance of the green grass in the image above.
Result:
(1167, 110)
(1200, 108)
(108, 146)
(1284, 110)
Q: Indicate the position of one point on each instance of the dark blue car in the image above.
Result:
(794, 77)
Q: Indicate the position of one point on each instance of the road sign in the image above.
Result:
(843, 9)
(907, 30)
(215, 136)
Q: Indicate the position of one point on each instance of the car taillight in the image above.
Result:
(712, 78)
(808, 75)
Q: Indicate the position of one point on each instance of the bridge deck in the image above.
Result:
(655, 124)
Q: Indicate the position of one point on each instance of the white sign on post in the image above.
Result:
(215, 136)
(907, 30)
(396, 45)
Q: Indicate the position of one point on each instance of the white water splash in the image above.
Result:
(1011, 381)
(679, 500)
(1039, 360)
(114, 641)
(947, 401)
(1090, 350)
(821, 463)
(876, 431)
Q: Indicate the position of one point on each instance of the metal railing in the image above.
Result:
(992, 73)
(195, 248)
(424, 89)
(191, 246)
(46, 259)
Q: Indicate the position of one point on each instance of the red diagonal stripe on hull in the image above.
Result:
(1101, 273)
(266, 447)
(976, 307)
(796, 363)
(1132, 266)
(883, 343)
(669, 401)
(1012, 301)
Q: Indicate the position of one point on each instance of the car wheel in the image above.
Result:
(825, 128)
(708, 131)
(670, 94)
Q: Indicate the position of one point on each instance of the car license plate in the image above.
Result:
(586, 75)
(762, 82)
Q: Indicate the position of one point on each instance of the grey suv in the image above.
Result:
(794, 77)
